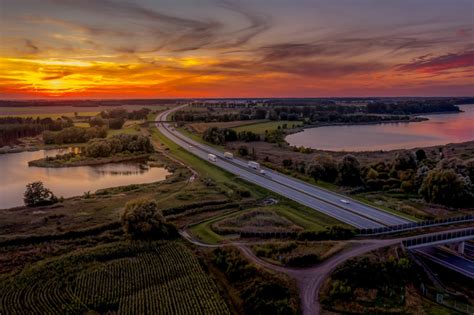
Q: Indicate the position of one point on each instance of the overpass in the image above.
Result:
(427, 246)
(439, 238)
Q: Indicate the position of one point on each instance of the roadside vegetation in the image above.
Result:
(386, 280)
(261, 291)
(298, 253)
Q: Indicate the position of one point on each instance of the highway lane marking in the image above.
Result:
(269, 179)
(278, 190)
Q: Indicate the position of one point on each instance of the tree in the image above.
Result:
(470, 169)
(243, 150)
(38, 195)
(116, 123)
(328, 166)
(404, 160)
(142, 220)
(275, 136)
(349, 171)
(420, 155)
(445, 186)
(316, 171)
(214, 135)
(97, 121)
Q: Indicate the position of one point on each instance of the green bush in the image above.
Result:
(38, 195)
(142, 220)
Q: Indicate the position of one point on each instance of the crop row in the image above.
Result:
(131, 279)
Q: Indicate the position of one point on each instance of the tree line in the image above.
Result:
(412, 107)
(13, 128)
(73, 135)
(447, 182)
(220, 136)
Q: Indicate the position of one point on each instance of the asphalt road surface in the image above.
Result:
(449, 260)
(351, 211)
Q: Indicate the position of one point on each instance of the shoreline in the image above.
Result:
(20, 149)
(302, 128)
(87, 162)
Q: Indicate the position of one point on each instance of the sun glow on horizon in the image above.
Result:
(244, 50)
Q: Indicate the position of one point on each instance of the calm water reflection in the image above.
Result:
(439, 129)
(66, 182)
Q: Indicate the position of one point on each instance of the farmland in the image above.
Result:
(201, 127)
(126, 278)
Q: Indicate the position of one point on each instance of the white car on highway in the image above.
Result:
(345, 201)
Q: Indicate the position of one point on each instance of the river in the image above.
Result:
(440, 129)
(69, 181)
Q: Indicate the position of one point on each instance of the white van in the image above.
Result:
(254, 165)
(212, 157)
(228, 155)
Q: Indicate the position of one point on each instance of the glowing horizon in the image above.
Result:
(162, 49)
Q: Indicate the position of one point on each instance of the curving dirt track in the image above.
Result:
(310, 280)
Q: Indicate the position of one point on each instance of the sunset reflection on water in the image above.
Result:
(438, 130)
(67, 182)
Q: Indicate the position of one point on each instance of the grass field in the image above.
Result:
(125, 278)
(201, 127)
(299, 215)
(81, 124)
(132, 130)
(269, 125)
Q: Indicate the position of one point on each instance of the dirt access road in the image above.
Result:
(310, 280)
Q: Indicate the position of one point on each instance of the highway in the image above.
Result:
(353, 213)
(469, 249)
(449, 260)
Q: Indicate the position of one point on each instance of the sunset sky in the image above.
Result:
(252, 48)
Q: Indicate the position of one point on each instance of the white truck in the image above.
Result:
(228, 155)
(254, 165)
(212, 157)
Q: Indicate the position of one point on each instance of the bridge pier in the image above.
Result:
(460, 247)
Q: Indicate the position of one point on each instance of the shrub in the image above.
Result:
(404, 160)
(142, 220)
(116, 123)
(324, 167)
(444, 186)
(302, 260)
(248, 136)
(97, 122)
(349, 171)
(243, 150)
(38, 195)
(275, 136)
(333, 233)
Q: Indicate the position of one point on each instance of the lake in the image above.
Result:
(69, 181)
(440, 129)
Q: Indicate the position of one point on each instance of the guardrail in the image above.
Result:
(438, 238)
(415, 225)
